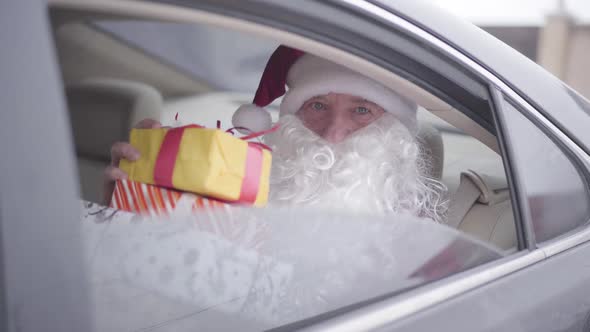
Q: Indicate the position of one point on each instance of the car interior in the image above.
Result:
(111, 83)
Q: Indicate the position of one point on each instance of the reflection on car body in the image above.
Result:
(262, 268)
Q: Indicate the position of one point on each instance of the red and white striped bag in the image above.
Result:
(152, 200)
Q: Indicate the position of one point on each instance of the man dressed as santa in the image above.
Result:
(344, 141)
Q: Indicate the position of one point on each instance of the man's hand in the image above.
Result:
(122, 150)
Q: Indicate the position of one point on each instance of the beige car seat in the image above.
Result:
(481, 205)
(102, 111)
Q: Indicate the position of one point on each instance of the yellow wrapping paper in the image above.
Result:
(209, 162)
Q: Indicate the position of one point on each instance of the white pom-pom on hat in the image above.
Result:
(251, 117)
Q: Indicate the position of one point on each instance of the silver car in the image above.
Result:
(509, 140)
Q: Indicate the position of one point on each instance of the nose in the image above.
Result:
(337, 128)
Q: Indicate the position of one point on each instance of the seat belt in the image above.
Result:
(467, 194)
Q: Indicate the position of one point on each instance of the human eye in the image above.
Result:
(318, 106)
(362, 110)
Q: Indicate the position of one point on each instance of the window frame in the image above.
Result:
(520, 204)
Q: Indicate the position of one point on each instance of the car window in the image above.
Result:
(554, 184)
(128, 95)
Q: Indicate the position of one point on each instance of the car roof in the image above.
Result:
(537, 86)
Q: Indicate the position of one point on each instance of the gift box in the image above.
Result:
(207, 162)
(149, 199)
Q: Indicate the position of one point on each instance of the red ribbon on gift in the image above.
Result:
(164, 167)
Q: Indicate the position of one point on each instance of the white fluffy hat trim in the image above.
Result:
(308, 76)
(312, 76)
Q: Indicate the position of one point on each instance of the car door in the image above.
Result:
(488, 297)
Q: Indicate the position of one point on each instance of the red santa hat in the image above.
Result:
(308, 76)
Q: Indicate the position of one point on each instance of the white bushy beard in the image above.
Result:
(379, 169)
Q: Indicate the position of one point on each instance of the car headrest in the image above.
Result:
(432, 145)
(103, 110)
